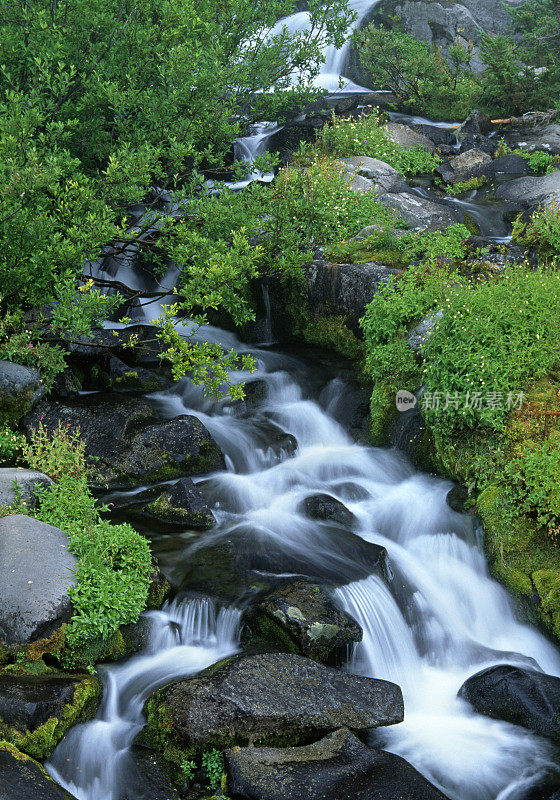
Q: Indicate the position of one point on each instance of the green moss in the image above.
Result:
(163, 510)
(547, 584)
(266, 631)
(332, 333)
(41, 742)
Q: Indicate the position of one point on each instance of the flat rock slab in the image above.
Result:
(21, 778)
(37, 573)
(521, 696)
(378, 175)
(337, 767)
(419, 212)
(274, 698)
(530, 192)
(26, 479)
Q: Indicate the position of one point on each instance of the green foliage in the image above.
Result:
(493, 337)
(11, 444)
(385, 246)
(213, 766)
(114, 560)
(460, 187)
(542, 231)
(366, 136)
(418, 75)
(22, 343)
(541, 162)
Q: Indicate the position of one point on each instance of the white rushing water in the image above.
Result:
(94, 762)
(439, 619)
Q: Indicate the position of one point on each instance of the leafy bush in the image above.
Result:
(542, 163)
(458, 188)
(492, 338)
(114, 560)
(11, 444)
(542, 230)
(366, 136)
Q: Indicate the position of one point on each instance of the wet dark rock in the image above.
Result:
(147, 778)
(512, 164)
(408, 138)
(137, 343)
(181, 504)
(127, 446)
(471, 164)
(65, 385)
(546, 138)
(441, 137)
(247, 560)
(20, 389)
(325, 507)
(268, 699)
(531, 192)
(456, 498)
(36, 710)
(27, 480)
(476, 122)
(421, 213)
(338, 766)
(37, 572)
(287, 140)
(301, 617)
(370, 174)
(134, 379)
(25, 779)
(344, 289)
(521, 696)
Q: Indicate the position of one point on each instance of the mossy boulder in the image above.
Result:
(338, 766)
(36, 710)
(126, 445)
(124, 378)
(181, 505)
(301, 617)
(20, 388)
(325, 507)
(270, 699)
(23, 778)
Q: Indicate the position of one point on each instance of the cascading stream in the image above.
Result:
(93, 761)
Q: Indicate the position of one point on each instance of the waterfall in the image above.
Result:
(93, 761)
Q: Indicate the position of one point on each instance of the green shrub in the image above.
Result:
(542, 231)
(458, 188)
(542, 163)
(492, 338)
(366, 136)
(114, 561)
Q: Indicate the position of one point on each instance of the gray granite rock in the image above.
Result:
(26, 479)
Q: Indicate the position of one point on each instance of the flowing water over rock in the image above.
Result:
(431, 618)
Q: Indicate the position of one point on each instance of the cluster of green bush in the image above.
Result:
(114, 561)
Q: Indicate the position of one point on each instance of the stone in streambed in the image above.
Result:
(36, 710)
(181, 504)
(126, 445)
(531, 192)
(37, 573)
(370, 174)
(20, 388)
(26, 480)
(22, 778)
(421, 213)
(521, 696)
(338, 766)
(301, 617)
(325, 507)
(467, 165)
(268, 699)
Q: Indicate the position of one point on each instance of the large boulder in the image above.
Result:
(22, 778)
(520, 696)
(37, 573)
(301, 617)
(344, 289)
(420, 213)
(127, 445)
(467, 165)
(531, 192)
(36, 710)
(338, 766)
(20, 484)
(370, 174)
(268, 699)
(408, 138)
(20, 388)
(546, 137)
(247, 560)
